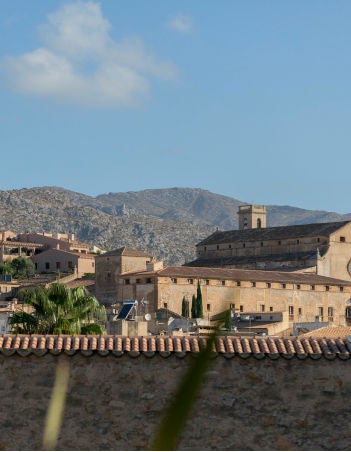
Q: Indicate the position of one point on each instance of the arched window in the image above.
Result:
(259, 223)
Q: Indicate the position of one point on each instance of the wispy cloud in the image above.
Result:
(80, 63)
(181, 23)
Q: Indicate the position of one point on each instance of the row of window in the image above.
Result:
(279, 242)
(222, 282)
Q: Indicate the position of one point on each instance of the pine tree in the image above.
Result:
(199, 307)
(184, 307)
(193, 307)
(228, 320)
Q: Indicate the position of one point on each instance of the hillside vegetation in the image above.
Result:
(166, 222)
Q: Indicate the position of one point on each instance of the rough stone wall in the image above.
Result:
(116, 403)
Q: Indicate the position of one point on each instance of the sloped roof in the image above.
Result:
(249, 275)
(242, 260)
(124, 251)
(274, 233)
(149, 346)
(329, 331)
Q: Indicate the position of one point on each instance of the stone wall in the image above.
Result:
(115, 403)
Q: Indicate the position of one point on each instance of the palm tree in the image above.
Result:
(59, 310)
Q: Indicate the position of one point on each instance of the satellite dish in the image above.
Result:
(147, 316)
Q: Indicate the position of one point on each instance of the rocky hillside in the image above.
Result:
(165, 222)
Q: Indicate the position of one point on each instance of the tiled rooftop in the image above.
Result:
(149, 346)
(274, 233)
(329, 331)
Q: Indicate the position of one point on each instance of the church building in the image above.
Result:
(319, 248)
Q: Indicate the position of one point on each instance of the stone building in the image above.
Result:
(57, 260)
(110, 266)
(306, 297)
(320, 248)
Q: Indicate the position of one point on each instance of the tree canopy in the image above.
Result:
(18, 268)
(59, 310)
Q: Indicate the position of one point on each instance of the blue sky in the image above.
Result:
(249, 99)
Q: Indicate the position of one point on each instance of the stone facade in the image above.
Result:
(306, 297)
(57, 260)
(244, 404)
(108, 269)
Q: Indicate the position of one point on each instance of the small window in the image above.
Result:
(221, 282)
(291, 310)
(313, 287)
(217, 247)
(70, 264)
(279, 242)
(298, 286)
(297, 241)
(327, 288)
(174, 280)
(318, 239)
(148, 280)
(230, 246)
(283, 286)
(238, 283)
(262, 308)
(268, 285)
(342, 239)
(165, 305)
(205, 248)
(47, 265)
(261, 243)
(259, 223)
(109, 274)
(207, 282)
(138, 280)
(320, 312)
(300, 311)
(93, 264)
(252, 284)
(241, 308)
(330, 312)
(58, 265)
(127, 281)
(341, 289)
(208, 307)
(190, 281)
(244, 244)
(271, 308)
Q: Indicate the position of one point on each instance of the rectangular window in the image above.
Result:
(297, 241)
(313, 287)
(221, 282)
(300, 311)
(271, 308)
(238, 283)
(291, 312)
(268, 285)
(327, 288)
(330, 314)
(320, 312)
(342, 239)
(207, 282)
(241, 308)
(58, 265)
(174, 280)
(298, 287)
(70, 264)
(341, 289)
(262, 307)
(261, 243)
(252, 284)
(47, 265)
(190, 281)
(279, 242)
(138, 280)
(283, 285)
(165, 305)
(148, 280)
(230, 246)
(127, 282)
(208, 307)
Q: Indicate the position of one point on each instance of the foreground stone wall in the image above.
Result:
(115, 403)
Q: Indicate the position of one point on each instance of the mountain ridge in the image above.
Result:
(165, 222)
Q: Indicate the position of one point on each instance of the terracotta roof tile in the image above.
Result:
(227, 346)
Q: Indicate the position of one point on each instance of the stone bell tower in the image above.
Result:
(252, 217)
